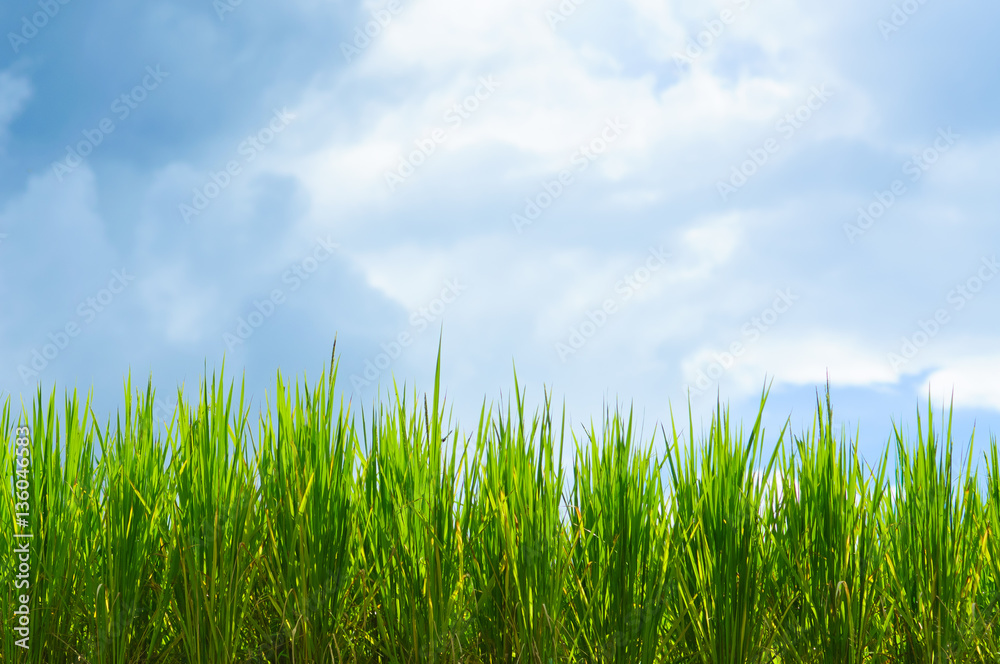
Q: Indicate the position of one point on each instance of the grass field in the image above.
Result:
(313, 533)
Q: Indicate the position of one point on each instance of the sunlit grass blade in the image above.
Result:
(216, 529)
(830, 556)
(724, 578)
(936, 539)
(308, 465)
(620, 512)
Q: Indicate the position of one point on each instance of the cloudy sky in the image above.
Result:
(631, 201)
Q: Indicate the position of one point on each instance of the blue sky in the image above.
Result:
(628, 201)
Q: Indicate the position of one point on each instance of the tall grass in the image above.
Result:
(725, 558)
(933, 530)
(518, 545)
(134, 499)
(412, 537)
(316, 532)
(832, 558)
(622, 549)
(310, 459)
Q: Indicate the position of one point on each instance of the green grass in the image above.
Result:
(312, 532)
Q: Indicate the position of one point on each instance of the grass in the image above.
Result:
(315, 533)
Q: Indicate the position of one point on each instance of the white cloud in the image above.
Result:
(797, 358)
(685, 131)
(973, 379)
(554, 95)
(15, 91)
(410, 275)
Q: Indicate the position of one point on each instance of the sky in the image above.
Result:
(652, 204)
